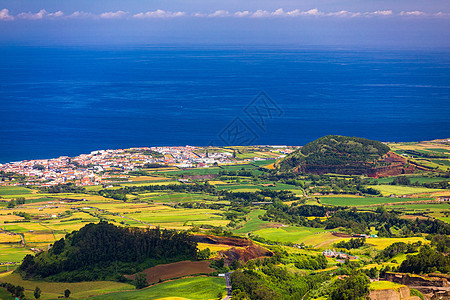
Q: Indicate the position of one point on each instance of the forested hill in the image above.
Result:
(105, 251)
(337, 154)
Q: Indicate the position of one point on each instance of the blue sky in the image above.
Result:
(371, 23)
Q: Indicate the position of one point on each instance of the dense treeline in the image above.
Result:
(441, 242)
(296, 214)
(63, 188)
(427, 261)
(15, 290)
(267, 281)
(397, 248)
(353, 287)
(351, 244)
(96, 250)
(383, 221)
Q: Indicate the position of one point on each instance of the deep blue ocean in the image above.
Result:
(67, 101)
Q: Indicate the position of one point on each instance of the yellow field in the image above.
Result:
(214, 182)
(384, 285)
(55, 289)
(381, 243)
(147, 178)
(215, 247)
(11, 217)
(9, 238)
(150, 183)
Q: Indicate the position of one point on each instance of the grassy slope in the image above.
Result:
(253, 224)
(361, 201)
(12, 190)
(291, 234)
(190, 288)
(55, 289)
(387, 190)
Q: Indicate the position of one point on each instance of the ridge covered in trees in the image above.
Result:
(104, 251)
(336, 154)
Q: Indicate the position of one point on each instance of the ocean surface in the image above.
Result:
(68, 101)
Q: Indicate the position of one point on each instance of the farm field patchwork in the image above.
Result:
(387, 190)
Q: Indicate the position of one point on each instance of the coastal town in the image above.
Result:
(108, 166)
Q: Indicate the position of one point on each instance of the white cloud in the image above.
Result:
(442, 14)
(114, 15)
(80, 14)
(412, 13)
(260, 14)
(312, 12)
(380, 13)
(278, 13)
(241, 14)
(30, 16)
(219, 13)
(159, 14)
(344, 13)
(57, 14)
(5, 16)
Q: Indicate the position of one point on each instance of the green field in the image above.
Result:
(253, 223)
(52, 290)
(13, 253)
(14, 190)
(197, 288)
(421, 207)
(363, 201)
(412, 178)
(290, 234)
(387, 190)
(4, 295)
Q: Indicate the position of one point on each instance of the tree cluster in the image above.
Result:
(96, 250)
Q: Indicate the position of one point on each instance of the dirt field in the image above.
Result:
(175, 270)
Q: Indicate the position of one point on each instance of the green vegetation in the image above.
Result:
(295, 215)
(103, 251)
(14, 190)
(198, 288)
(335, 154)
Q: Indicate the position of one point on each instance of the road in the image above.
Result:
(228, 285)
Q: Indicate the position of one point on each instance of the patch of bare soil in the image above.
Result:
(175, 270)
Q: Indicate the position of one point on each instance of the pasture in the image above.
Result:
(253, 223)
(292, 234)
(52, 290)
(14, 190)
(196, 288)
(363, 201)
(387, 190)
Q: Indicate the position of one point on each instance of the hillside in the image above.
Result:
(104, 251)
(344, 155)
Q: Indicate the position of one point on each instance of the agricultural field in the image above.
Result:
(242, 200)
(253, 223)
(52, 290)
(387, 190)
(196, 288)
(14, 190)
(365, 201)
(293, 234)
